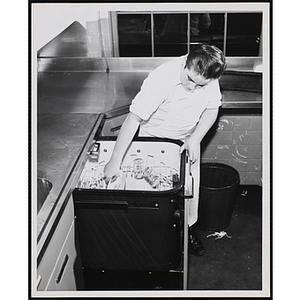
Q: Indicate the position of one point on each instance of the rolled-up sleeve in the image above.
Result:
(150, 96)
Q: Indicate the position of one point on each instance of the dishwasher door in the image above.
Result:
(133, 234)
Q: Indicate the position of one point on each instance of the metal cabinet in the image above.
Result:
(62, 278)
(56, 268)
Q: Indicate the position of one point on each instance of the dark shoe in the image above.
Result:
(195, 244)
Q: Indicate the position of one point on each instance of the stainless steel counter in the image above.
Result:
(86, 92)
(96, 92)
(59, 142)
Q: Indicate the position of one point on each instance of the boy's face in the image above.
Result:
(191, 81)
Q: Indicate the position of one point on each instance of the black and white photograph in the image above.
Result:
(150, 149)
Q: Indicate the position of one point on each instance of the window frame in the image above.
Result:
(115, 35)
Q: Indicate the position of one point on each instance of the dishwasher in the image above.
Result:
(136, 225)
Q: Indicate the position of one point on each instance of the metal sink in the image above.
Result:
(44, 186)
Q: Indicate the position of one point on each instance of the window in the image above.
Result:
(207, 28)
(134, 35)
(148, 34)
(170, 34)
(243, 34)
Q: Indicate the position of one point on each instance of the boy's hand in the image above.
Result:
(110, 170)
(192, 145)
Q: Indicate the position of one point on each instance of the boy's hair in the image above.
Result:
(206, 60)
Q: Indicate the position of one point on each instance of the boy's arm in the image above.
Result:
(124, 139)
(206, 120)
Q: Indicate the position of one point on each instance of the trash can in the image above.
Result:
(218, 191)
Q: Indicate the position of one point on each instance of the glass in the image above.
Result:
(170, 34)
(207, 28)
(134, 32)
(243, 34)
(138, 168)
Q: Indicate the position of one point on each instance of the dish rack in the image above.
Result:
(134, 176)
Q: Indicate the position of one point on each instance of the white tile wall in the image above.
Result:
(237, 141)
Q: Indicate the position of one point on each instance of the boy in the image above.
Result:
(178, 100)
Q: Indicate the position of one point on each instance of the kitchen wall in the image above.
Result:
(236, 140)
(99, 41)
(49, 19)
